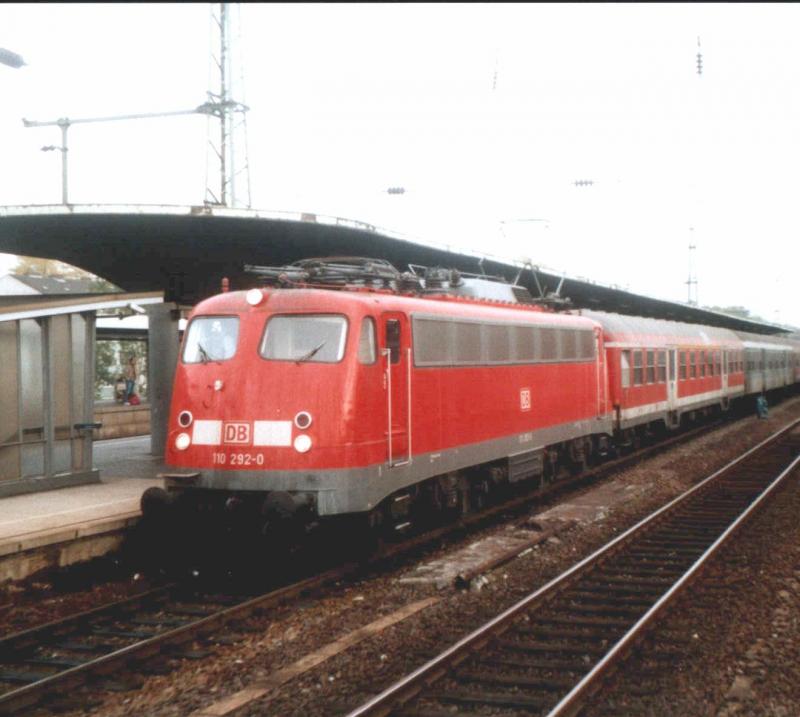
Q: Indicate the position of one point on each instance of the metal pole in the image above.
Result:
(223, 98)
(64, 124)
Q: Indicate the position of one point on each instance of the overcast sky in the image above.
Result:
(485, 114)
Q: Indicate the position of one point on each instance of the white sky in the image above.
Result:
(347, 100)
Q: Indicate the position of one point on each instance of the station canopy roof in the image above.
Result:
(185, 251)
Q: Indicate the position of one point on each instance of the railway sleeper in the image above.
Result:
(617, 579)
(584, 620)
(606, 609)
(602, 589)
(578, 634)
(492, 698)
(590, 598)
(515, 680)
(548, 667)
(637, 570)
(654, 561)
(540, 648)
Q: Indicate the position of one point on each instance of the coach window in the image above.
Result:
(662, 366)
(693, 364)
(702, 364)
(683, 365)
(638, 371)
(651, 366)
(625, 368)
(366, 342)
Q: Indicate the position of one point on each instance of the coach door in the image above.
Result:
(725, 370)
(672, 379)
(396, 354)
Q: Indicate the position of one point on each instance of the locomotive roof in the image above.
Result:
(317, 299)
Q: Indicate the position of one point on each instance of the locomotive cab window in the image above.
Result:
(211, 338)
(393, 339)
(366, 342)
(304, 337)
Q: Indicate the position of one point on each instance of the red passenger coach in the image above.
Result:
(663, 370)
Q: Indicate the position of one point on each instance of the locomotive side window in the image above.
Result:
(693, 364)
(498, 341)
(433, 341)
(548, 341)
(301, 338)
(526, 344)
(443, 342)
(393, 339)
(651, 366)
(585, 345)
(367, 353)
(683, 364)
(211, 338)
(467, 343)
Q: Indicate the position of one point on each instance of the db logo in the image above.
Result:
(524, 399)
(236, 433)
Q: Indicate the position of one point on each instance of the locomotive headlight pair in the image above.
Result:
(302, 443)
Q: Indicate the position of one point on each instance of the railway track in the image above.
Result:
(549, 652)
(39, 661)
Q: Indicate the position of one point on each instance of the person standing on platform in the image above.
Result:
(761, 406)
(131, 372)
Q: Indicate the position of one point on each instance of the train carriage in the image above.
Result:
(660, 371)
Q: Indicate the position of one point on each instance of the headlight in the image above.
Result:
(185, 419)
(254, 297)
(302, 444)
(183, 441)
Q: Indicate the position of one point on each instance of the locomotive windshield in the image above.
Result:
(211, 338)
(300, 338)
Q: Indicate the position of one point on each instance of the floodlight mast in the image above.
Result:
(64, 123)
(220, 106)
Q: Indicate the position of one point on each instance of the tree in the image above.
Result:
(36, 266)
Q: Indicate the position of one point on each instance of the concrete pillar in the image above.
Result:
(162, 356)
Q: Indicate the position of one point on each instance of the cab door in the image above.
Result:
(396, 355)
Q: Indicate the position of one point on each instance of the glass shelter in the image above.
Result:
(47, 391)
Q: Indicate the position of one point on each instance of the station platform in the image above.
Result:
(60, 527)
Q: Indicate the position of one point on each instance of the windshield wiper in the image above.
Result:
(310, 354)
(205, 357)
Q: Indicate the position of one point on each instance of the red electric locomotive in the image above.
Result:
(379, 394)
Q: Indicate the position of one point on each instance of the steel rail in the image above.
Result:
(30, 694)
(410, 686)
(571, 702)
